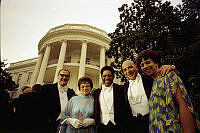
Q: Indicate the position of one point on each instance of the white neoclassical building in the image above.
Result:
(77, 47)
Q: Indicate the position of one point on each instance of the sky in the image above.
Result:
(25, 22)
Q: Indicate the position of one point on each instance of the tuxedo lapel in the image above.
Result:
(126, 86)
(119, 103)
(115, 98)
(147, 83)
(56, 96)
(97, 106)
(70, 93)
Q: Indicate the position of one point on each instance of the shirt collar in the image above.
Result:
(131, 82)
(107, 89)
(62, 88)
(138, 77)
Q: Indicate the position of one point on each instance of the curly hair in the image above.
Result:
(148, 54)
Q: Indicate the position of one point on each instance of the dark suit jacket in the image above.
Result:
(27, 111)
(139, 120)
(50, 101)
(119, 102)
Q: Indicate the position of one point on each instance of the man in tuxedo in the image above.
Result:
(26, 110)
(137, 92)
(54, 99)
(109, 104)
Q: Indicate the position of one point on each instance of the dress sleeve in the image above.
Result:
(174, 82)
(67, 111)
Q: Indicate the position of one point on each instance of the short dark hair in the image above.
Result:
(85, 79)
(25, 87)
(64, 69)
(109, 68)
(37, 87)
(148, 54)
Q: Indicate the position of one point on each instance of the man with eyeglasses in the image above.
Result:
(54, 99)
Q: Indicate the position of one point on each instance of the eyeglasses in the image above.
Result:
(85, 86)
(63, 75)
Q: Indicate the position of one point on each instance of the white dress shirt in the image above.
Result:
(63, 99)
(137, 97)
(106, 105)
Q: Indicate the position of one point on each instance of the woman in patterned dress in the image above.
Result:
(170, 107)
(78, 116)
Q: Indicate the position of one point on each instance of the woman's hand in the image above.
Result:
(74, 122)
(88, 121)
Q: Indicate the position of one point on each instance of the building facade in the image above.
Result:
(80, 48)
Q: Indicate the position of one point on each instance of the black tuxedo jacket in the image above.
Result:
(27, 111)
(50, 101)
(140, 120)
(119, 105)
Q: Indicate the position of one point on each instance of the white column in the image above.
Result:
(36, 70)
(15, 77)
(61, 59)
(82, 60)
(44, 64)
(102, 61)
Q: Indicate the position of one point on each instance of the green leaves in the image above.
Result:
(6, 79)
(173, 31)
(153, 24)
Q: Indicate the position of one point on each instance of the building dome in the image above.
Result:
(80, 48)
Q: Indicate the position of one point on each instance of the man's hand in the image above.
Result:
(165, 69)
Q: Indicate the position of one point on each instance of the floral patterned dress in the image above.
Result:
(79, 107)
(164, 114)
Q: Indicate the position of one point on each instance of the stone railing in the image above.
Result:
(88, 61)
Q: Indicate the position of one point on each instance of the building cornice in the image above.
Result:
(74, 31)
(22, 64)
